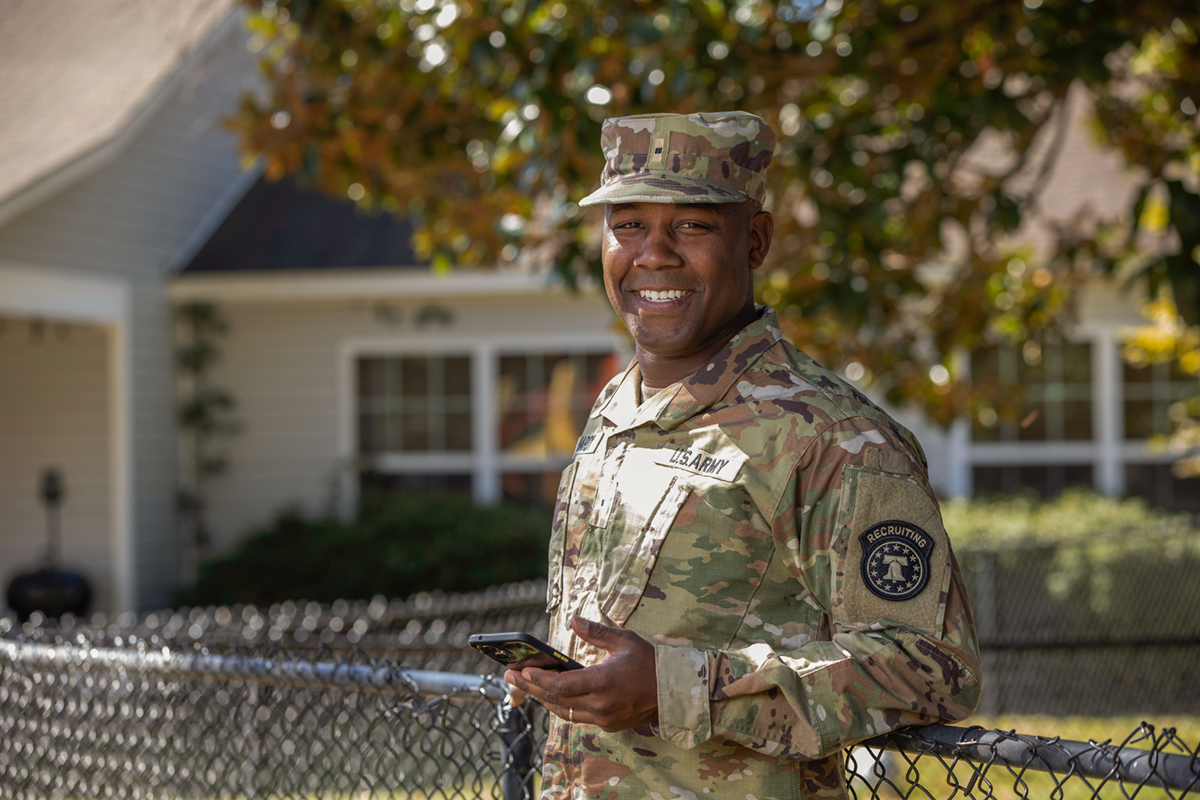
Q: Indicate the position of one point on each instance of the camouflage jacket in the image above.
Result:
(774, 535)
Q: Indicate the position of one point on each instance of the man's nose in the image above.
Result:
(658, 251)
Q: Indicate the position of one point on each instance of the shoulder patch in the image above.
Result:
(895, 559)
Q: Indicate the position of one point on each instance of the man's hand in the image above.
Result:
(618, 694)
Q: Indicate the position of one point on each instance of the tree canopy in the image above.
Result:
(895, 242)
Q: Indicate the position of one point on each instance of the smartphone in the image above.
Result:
(520, 650)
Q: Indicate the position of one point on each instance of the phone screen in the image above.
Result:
(524, 655)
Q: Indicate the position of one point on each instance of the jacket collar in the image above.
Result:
(683, 400)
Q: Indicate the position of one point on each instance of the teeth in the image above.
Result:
(661, 297)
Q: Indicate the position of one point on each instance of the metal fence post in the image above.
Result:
(516, 751)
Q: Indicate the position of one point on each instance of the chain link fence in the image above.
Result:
(235, 702)
(1095, 630)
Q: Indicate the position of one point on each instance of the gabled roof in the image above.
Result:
(278, 225)
(76, 74)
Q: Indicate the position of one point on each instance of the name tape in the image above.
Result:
(701, 463)
(588, 443)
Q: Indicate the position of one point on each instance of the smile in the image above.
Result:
(661, 297)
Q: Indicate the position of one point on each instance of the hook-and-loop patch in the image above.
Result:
(895, 559)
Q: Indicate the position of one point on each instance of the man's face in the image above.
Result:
(680, 276)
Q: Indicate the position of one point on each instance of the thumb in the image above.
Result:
(602, 636)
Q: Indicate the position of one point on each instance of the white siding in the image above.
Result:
(54, 413)
(287, 364)
(127, 220)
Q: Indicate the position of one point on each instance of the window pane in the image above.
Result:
(1032, 427)
(514, 427)
(1053, 380)
(1139, 419)
(414, 377)
(533, 489)
(415, 432)
(1031, 365)
(985, 426)
(1176, 372)
(458, 432)
(1073, 475)
(1077, 420)
(410, 400)
(985, 365)
(544, 400)
(458, 376)
(1157, 485)
(1149, 393)
(513, 368)
(394, 430)
(1046, 480)
(1076, 363)
(988, 480)
(377, 486)
(1137, 374)
(370, 377)
(1034, 477)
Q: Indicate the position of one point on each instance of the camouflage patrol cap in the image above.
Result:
(718, 157)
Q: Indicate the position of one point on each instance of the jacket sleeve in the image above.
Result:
(861, 539)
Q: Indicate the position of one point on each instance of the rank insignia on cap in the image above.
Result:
(895, 559)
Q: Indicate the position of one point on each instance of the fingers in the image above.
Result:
(516, 696)
(618, 694)
(546, 687)
(602, 636)
(568, 706)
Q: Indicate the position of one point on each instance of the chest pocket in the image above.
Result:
(706, 572)
(624, 574)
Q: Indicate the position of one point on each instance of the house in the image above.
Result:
(111, 153)
(354, 367)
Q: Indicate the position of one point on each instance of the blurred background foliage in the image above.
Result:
(895, 249)
(1085, 541)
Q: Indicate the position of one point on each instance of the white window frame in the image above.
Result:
(1108, 452)
(485, 462)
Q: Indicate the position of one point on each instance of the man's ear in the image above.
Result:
(762, 226)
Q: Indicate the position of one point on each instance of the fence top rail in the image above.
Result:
(387, 679)
(1104, 761)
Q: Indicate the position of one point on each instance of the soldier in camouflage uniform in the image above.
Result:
(746, 552)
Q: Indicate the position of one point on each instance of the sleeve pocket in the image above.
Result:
(894, 555)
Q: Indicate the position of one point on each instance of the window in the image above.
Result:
(543, 403)
(1049, 384)
(1150, 390)
(544, 400)
(1157, 485)
(1046, 480)
(414, 404)
(419, 420)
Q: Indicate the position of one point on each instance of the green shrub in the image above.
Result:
(394, 548)
(1075, 517)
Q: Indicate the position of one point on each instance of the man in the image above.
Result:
(746, 554)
